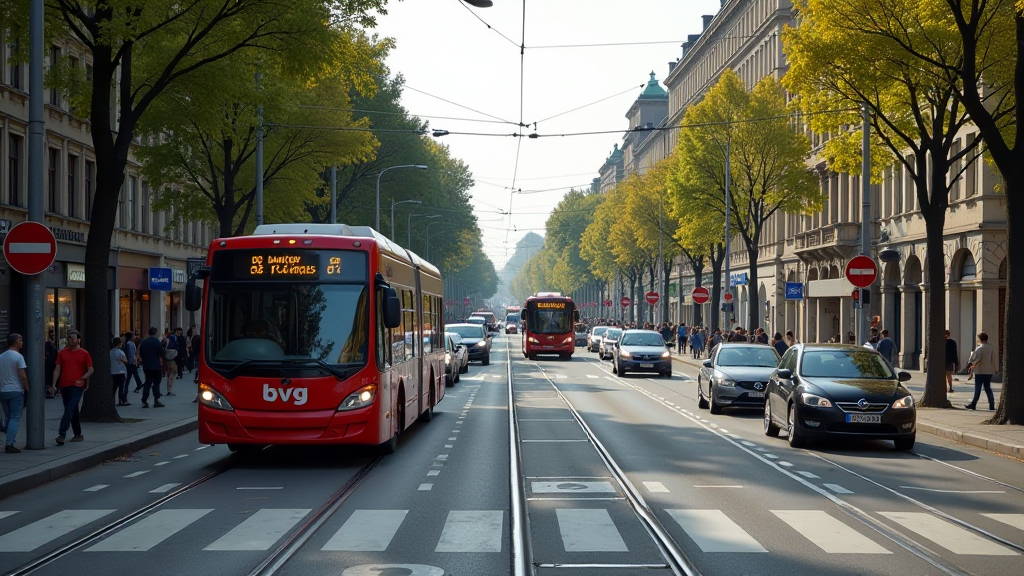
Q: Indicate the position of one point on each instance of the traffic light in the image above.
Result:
(856, 295)
(865, 296)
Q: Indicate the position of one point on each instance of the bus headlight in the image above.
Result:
(533, 340)
(359, 399)
(213, 399)
(568, 340)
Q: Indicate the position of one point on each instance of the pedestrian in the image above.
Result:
(196, 346)
(762, 336)
(779, 344)
(74, 368)
(171, 357)
(119, 371)
(739, 335)
(681, 338)
(131, 354)
(696, 343)
(887, 348)
(666, 334)
(13, 388)
(952, 361)
(151, 352)
(49, 359)
(874, 339)
(851, 338)
(790, 339)
(181, 345)
(983, 363)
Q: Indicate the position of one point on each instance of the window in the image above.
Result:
(90, 167)
(72, 185)
(121, 211)
(54, 59)
(133, 202)
(14, 68)
(409, 323)
(51, 196)
(145, 207)
(14, 169)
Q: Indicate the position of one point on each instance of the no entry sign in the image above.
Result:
(700, 295)
(30, 248)
(624, 301)
(861, 271)
(727, 297)
(652, 297)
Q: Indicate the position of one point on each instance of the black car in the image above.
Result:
(581, 334)
(736, 375)
(476, 338)
(839, 391)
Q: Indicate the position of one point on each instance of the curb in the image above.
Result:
(26, 480)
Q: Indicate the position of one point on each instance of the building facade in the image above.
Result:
(144, 239)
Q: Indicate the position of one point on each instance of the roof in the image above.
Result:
(654, 91)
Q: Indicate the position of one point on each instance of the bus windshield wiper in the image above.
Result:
(237, 368)
(339, 374)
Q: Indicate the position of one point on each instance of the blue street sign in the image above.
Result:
(160, 279)
(738, 279)
(794, 291)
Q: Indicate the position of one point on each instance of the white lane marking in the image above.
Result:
(717, 486)
(471, 531)
(425, 486)
(954, 491)
(592, 376)
(723, 430)
(808, 474)
(772, 456)
(589, 530)
(748, 443)
(1015, 520)
(784, 463)
(137, 474)
(655, 487)
(951, 537)
(455, 431)
(96, 488)
(181, 456)
(201, 448)
(546, 420)
(452, 438)
(367, 531)
(526, 441)
(571, 487)
(828, 533)
(433, 472)
(165, 488)
(260, 488)
(838, 489)
(28, 538)
(449, 445)
(713, 531)
(441, 457)
(261, 530)
(150, 531)
(7, 513)
(164, 463)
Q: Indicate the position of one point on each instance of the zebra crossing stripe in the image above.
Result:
(828, 533)
(589, 530)
(713, 531)
(6, 514)
(261, 530)
(951, 537)
(150, 531)
(367, 531)
(472, 531)
(1015, 520)
(28, 538)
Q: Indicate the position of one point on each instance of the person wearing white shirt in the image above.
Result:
(13, 386)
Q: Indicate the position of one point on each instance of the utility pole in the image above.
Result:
(35, 416)
(865, 211)
(728, 199)
(259, 153)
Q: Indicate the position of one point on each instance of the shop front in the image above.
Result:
(134, 305)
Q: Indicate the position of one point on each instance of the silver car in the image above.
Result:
(594, 338)
(608, 342)
(736, 375)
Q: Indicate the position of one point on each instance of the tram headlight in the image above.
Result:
(359, 399)
(213, 399)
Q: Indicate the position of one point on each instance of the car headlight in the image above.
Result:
(624, 354)
(814, 400)
(724, 380)
(567, 340)
(666, 354)
(905, 402)
(482, 343)
(359, 399)
(213, 399)
(533, 340)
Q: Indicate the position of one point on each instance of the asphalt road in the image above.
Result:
(620, 476)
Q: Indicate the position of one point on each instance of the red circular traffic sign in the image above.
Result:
(727, 297)
(700, 295)
(652, 297)
(861, 271)
(30, 248)
(607, 303)
(624, 301)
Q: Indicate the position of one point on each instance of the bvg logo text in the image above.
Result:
(297, 395)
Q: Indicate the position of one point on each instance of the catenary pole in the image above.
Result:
(259, 154)
(334, 194)
(35, 424)
(865, 211)
(728, 200)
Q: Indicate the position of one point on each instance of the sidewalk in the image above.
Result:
(959, 424)
(143, 427)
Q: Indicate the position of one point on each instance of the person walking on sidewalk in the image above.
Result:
(13, 388)
(170, 362)
(132, 355)
(152, 354)
(952, 360)
(119, 371)
(681, 338)
(181, 345)
(696, 343)
(74, 368)
(983, 363)
(887, 348)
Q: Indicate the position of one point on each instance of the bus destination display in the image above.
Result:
(284, 265)
(551, 305)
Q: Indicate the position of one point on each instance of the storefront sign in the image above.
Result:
(66, 235)
(160, 279)
(179, 276)
(794, 291)
(75, 273)
(738, 279)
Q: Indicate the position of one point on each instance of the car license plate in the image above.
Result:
(755, 394)
(864, 418)
(647, 365)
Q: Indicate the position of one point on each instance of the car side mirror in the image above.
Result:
(575, 315)
(707, 364)
(904, 376)
(785, 374)
(522, 315)
(193, 293)
(392, 308)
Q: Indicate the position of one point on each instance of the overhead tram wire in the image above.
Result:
(489, 27)
(522, 96)
(407, 114)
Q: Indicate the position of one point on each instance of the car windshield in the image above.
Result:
(613, 334)
(747, 356)
(843, 364)
(287, 322)
(454, 336)
(511, 319)
(642, 339)
(468, 331)
(599, 331)
(580, 328)
(476, 320)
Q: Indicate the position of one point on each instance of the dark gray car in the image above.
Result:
(476, 338)
(641, 351)
(736, 375)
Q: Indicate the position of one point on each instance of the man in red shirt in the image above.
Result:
(74, 367)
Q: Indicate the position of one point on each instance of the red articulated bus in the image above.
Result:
(316, 334)
(548, 318)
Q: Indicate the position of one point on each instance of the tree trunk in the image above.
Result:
(1010, 409)
(666, 268)
(753, 294)
(935, 382)
(698, 278)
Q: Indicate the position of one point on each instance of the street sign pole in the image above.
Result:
(35, 336)
(728, 279)
(865, 212)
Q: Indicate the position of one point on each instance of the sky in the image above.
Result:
(584, 64)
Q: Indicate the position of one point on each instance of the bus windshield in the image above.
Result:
(549, 321)
(287, 323)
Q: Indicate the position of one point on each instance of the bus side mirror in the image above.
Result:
(392, 308)
(193, 293)
(575, 315)
(522, 315)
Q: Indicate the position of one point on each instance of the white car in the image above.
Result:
(608, 342)
(456, 358)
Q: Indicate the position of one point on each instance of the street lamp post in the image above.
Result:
(408, 227)
(393, 204)
(429, 236)
(376, 225)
